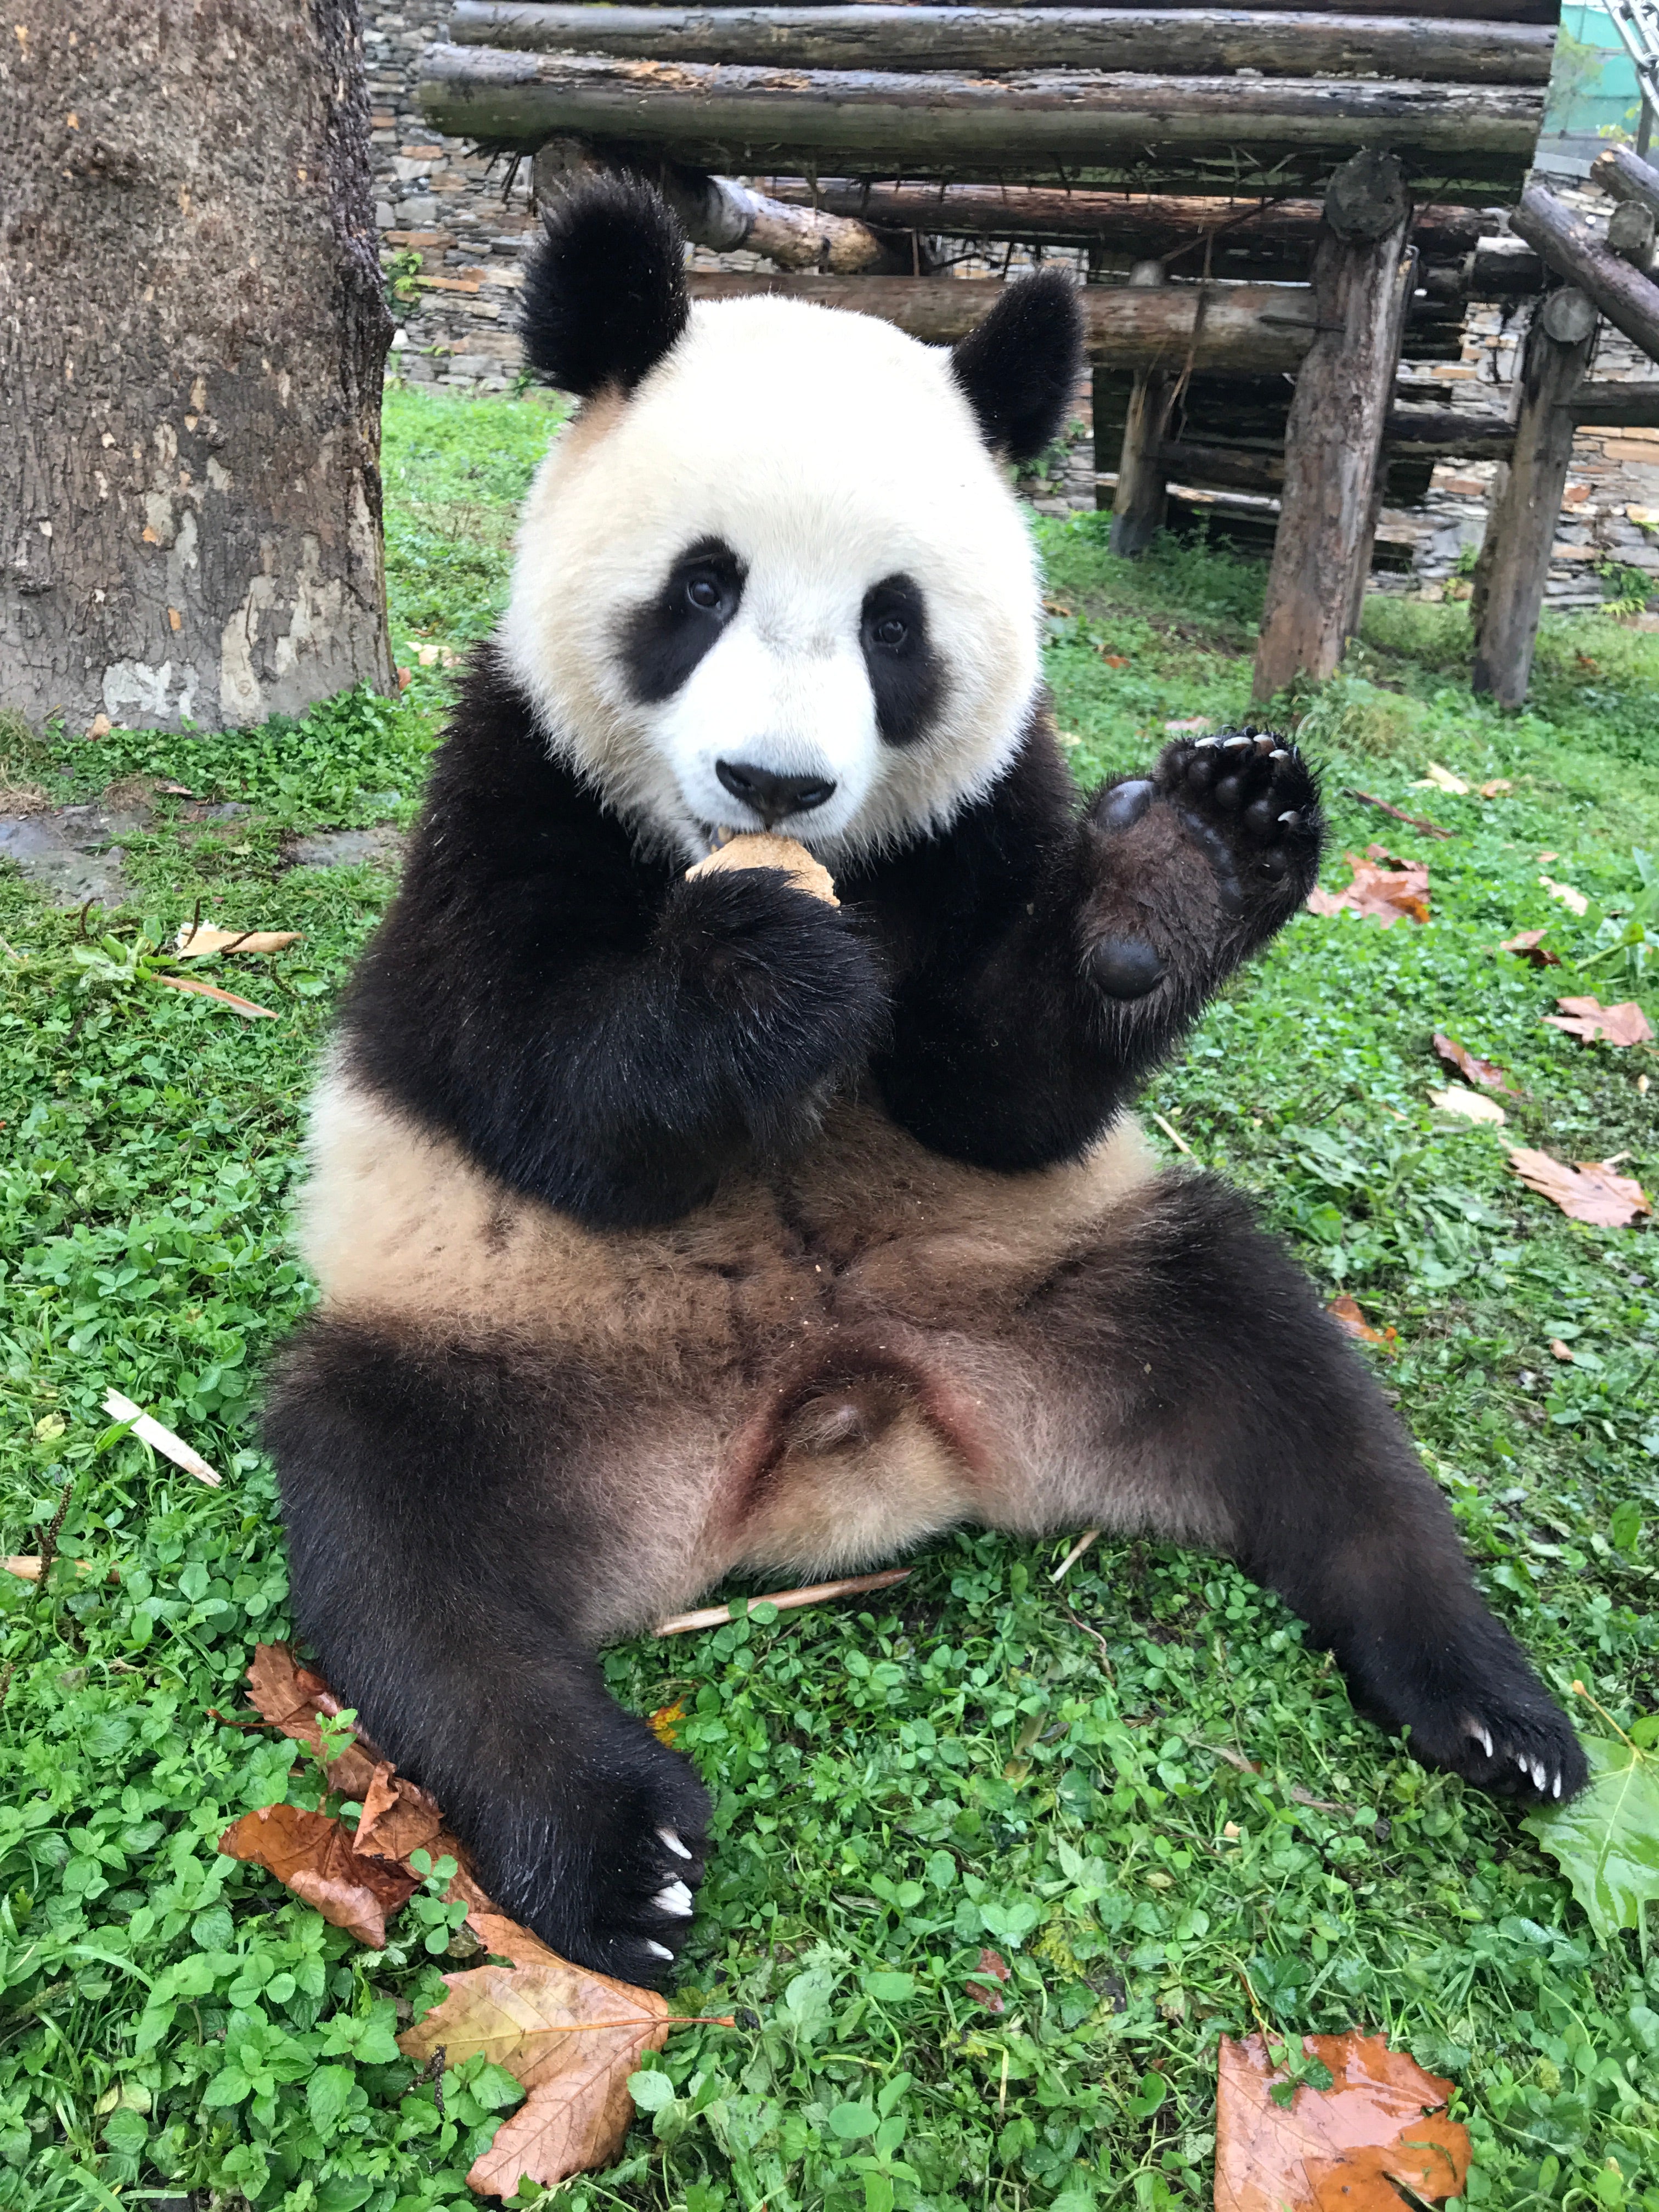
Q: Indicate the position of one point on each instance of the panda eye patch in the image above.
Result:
(899, 659)
(663, 640)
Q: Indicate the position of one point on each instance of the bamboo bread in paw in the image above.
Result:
(760, 848)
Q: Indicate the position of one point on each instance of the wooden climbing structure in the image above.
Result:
(1271, 203)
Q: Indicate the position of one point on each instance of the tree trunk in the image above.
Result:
(1138, 506)
(747, 119)
(192, 330)
(1246, 329)
(1334, 439)
(1196, 42)
(1525, 500)
(1628, 299)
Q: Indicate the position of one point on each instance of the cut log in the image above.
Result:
(1244, 328)
(745, 119)
(1160, 41)
(1525, 500)
(1626, 177)
(1136, 223)
(1624, 295)
(1613, 406)
(1362, 284)
(1138, 506)
(1503, 266)
(1630, 233)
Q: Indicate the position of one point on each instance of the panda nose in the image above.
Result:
(771, 796)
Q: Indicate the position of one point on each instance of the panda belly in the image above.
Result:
(806, 1374)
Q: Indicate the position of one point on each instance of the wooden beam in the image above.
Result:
(1138, 504)
(1626, 177)
(750, 119)
(1624, 295)
(1611, 406)
(1445, 434)
(1362, 285)
(1161, 42)
(1526, 503)
(1244, 329)
(1546, 12)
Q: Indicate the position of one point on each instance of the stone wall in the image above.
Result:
(453, 227)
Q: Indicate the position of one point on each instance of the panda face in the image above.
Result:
(782, 585)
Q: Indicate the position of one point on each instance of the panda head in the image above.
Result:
(774, 574)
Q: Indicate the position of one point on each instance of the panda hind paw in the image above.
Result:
(1533, 1754)
(1251, 800)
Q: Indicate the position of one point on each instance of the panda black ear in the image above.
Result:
(1020, 366)
(604, 289)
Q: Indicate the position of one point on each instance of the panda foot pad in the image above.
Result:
(1250, 799)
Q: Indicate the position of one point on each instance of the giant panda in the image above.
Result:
(673, 1225)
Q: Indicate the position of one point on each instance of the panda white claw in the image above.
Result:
(1540, 1778)
(1279, 753)
(673, 1842)
(1289, 819)
(658, 1950)
(1232, 744)
(1556, 1790)
(675, 1898)
(1478, 1735)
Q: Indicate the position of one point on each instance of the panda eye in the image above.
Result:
(705, 594)
(892, 631)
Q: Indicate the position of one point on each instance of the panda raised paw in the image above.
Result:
(1251, 800)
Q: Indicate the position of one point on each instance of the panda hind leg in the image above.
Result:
(1212, 1400)
(448, 1546)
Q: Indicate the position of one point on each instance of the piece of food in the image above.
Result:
(759, 848)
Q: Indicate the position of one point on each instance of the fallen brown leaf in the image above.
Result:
(1497, 787)
(312, 1856)
(397, 1817)
(1346, 1313)
(993, 1962)
(1340, 2149)
(664, 1722)
(1383, 887)
(1113, 660)
(244, 1007)
(1468, 1105)
(1435, 778)
(1624, 1024)
(1574, 901)
(987, 1996)
(1529, 945)
(1487, 1073)
(573, 2037)
(1590, 1192)
(196, 944)
(1559, 1350)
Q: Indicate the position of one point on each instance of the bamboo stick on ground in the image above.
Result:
(717, 1616)
(151, 1432)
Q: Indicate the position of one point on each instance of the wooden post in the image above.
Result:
(1362, 288)
(1525, 500)
(1139, 508)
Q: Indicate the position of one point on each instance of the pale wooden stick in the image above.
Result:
(1074, 1554)
(26, 1565)
(1173, 1136)
(716, 1616)
(158, 1439)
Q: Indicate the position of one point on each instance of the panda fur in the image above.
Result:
(672, 1228)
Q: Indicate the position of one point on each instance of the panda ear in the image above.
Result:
(1020, 366)
(604, 289)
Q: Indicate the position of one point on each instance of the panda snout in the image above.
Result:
(773, 796)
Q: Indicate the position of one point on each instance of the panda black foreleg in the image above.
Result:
(447, 1544)
(1221, 1406)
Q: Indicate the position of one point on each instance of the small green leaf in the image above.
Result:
(1606, 1841)
(890, 1989)
(327, 2094)
(851, 2121)
(651, 2092)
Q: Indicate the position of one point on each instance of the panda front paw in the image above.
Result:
(1528, 1751)
(1251, 802)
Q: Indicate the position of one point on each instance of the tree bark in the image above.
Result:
(1244, 329)
(747, 120)
(1628, 299)
(193, 330)
(1526, 501)
(1284, 234)
(1139, 504)
(1334, 440)
(1193, 42)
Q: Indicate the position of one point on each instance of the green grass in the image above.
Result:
(981, 1760)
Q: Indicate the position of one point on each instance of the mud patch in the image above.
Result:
(345, 848)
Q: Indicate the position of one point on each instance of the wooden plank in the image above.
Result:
(1140, 223)
(1526, 502)
(1466, 11)
(1628, 298)
(748, 119)
(1446, 434)
(1245, 328)
(1615, 406)
(1362, 284)
(1159, 40)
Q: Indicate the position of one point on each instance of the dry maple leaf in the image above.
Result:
(312, 1856)
(198, 943)
(1340, 2149)
(1487, 1073)
(1468, 1105)
(573, 2037)
(1624, 1024)
(1383, 886)
(1529, 945)
(1574, 901)
(1346, 1313)
(1590, 1192)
